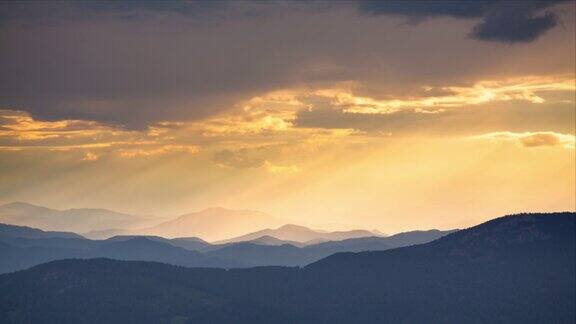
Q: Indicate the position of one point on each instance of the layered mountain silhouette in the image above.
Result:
(79, 220)
(300, 234)
(146, 249)
(20, 252)
(108, 233)
(214, 224)
(188, 243)
(270, 240)
(372, 243)
(254, 254)
(514, 269)
(13, 231)
(44, 242)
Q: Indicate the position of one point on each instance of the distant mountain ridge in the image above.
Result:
(514, 269)
(22, 252)
(290, 255)
(188, 243)
(271, 240)
(12, 231)
(78, 220)
(214, 223)
(300, 234)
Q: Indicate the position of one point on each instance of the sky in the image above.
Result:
(388, 115)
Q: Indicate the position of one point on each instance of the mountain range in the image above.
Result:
(78, 220)
(212, 224)
(300, 234)
(25, 247)
(8, 231)
(514, 269)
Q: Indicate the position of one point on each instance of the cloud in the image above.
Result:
(533, 139)
(137, 65)
(253, 158)
(340, 119)
(502, 21)
(427, 9)
(90, 156)
(238, 159)
(143, 151)
(46, 12)
(434, 100)
(516, 21)
(512, 25)
(19, 131)
(280, 169)
(443, 109)
(276, 125)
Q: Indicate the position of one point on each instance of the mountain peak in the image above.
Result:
(190, 239)
(294, 227)
(301, 234)
(18, 204)
(214, 223)
(80, 220)
(21, 204)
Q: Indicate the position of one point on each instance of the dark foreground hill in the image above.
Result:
(515, 269)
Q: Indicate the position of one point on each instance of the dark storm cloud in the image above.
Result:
(50, 11)
(426, 9)
(512, 25)
(502, 21)
(137, 63)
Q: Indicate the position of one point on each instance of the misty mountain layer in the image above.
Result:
(22, 247)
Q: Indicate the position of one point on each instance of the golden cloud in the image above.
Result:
(524, 88)
(278, 169)
(21, 126)
(533, 139)
(270, 120)
(161, 150)
(90, 156)
(22, 132)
